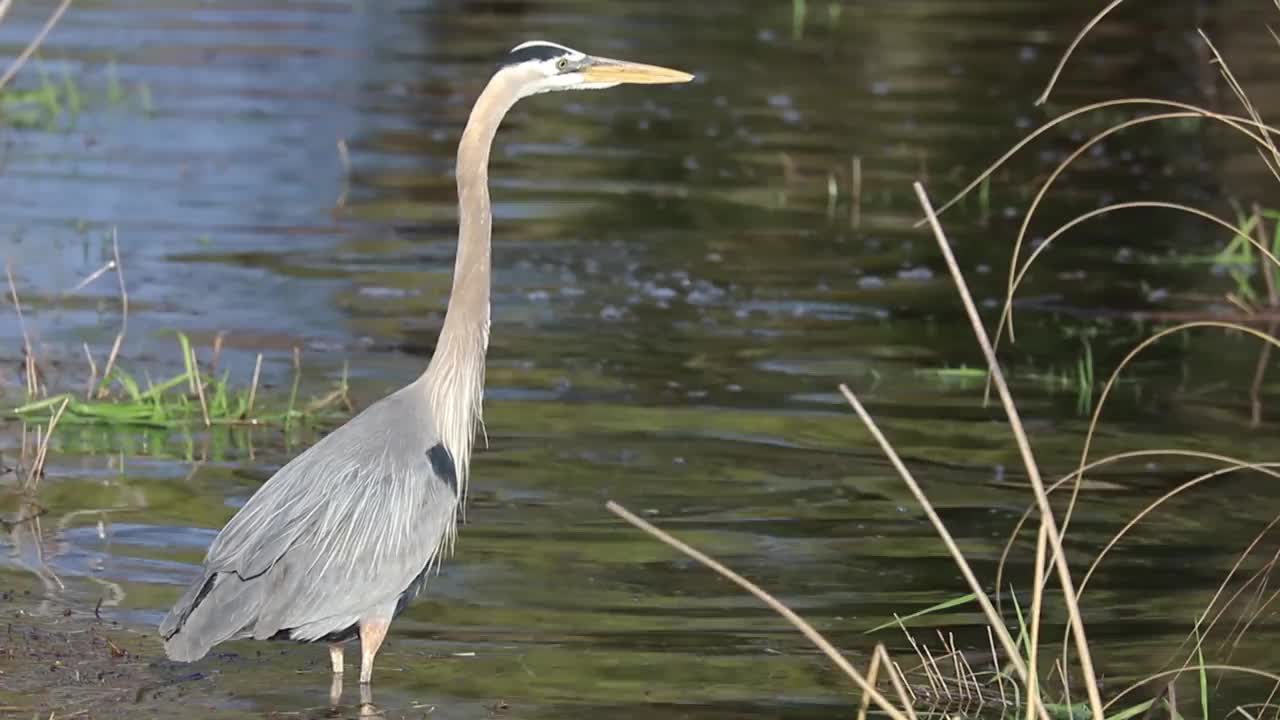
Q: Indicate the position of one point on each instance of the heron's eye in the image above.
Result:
(562, 63)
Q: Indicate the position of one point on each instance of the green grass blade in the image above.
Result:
(944, 605)
(1134, 711)
(40, 404)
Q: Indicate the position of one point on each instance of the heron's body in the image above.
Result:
(344, 533)
(344, 536)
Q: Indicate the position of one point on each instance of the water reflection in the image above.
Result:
(680, 284)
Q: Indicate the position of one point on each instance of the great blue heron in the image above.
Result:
(342, 538)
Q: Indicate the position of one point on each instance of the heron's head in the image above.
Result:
(546, 67)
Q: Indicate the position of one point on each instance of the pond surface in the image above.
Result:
(682, 278)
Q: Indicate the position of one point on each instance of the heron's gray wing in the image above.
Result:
(352, 520)
(333, 471)
(365, 548)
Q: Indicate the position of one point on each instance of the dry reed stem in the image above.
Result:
(993, 618)
(924, 664)
(93, 372)
(855, 192)
(1132, 454)
(1037, 598)
(42, 451)
(217, 351)
(1260, 575)
(1272, 469)
(199, 383)
(949, 644)
(35, 43)
(106, 267)
(344, 158)
(1272, 695)
(1252, 619)
(1062, 62)
(1066, 162)
(899, 682)
(1066, 682)
(1143, 682)
(253, 388)
(1240, 94)
(124, 315)
(1021, 274)
(1273, 302)
(1196, 632)
(787, 613)
(974, 682)
(1028, 458)
(1111, 381)
(995, 663)
(1007, 309)
(1150, 508)
(29, 362)
(942, 679)
(902, 677)
(873, 677)
(1115, 374)
(4, 8)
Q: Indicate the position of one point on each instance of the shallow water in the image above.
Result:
(677, 294)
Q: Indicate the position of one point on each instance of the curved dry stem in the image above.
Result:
(1263, 576)
(1129, 455)
(1062, 62)
(1166, 673)
(1151, 507)
(1037, 597)
(35, 43)
(994, 621)
(1026, 267)
(1044, 190)
(1243, 97)
(787, 613)
(1235, 122)
(1195, 632)
(1075, 620)
(1115, 374)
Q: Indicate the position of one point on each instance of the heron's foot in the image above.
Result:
(367, 708)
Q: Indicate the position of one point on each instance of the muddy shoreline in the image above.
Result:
(80, 664)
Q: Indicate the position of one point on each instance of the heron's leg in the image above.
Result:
(335, 689)
(372, 633)
(335, 657)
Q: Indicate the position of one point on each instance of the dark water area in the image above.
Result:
(682, 278)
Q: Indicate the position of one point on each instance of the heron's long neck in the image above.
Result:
(455, 377)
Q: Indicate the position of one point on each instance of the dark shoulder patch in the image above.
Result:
(533, 52)
(442, 464)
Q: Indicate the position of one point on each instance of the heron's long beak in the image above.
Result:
(608, 70)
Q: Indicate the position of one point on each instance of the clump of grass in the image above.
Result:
(197, 396)
(1076, 378)
(192, 397)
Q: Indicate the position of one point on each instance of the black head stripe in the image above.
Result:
(534, 52)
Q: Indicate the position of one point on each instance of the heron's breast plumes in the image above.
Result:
(455, 389)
